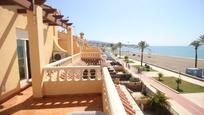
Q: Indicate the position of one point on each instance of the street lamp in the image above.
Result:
(128, 47)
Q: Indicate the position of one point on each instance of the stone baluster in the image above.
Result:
(49, 74)
(89, 74)
(58, 73)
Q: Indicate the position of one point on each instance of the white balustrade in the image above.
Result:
(91, 55)
(91, 49)
(68, 73)
(55, 76)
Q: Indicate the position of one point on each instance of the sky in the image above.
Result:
(158, 22)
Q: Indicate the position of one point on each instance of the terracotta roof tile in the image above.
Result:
(128, 108)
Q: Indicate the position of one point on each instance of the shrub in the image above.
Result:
(147, 67)
(126, 57)
(125, 76)
(134, 79)
(133, 54)
(159, 103)
(140, 69)
(160, 75)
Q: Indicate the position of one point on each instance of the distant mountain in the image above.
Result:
(100, 43)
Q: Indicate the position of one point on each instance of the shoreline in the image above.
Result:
(178, 64)
(201, 59)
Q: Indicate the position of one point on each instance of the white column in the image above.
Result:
(70, 41)
(35, 30)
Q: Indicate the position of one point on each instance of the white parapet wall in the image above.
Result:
(72, 87)
(112, 105)
(65, 61)
(72, 80)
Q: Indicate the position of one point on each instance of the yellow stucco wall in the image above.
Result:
(50, 33)
(62, 40)
(76, 47)
(9, 71)
(72, 87)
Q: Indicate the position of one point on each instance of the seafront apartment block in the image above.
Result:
(52, 66)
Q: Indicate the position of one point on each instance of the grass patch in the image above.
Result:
(185, 87)
(144, 68)
(128, 61)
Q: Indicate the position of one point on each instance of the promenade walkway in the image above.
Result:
(170, 73)
(191, 107)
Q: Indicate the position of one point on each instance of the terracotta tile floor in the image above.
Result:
(24, 104)
(78, 63)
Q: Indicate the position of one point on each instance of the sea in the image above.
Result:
(174, 51)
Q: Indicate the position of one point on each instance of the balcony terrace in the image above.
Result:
(24, 104)
(70, 85)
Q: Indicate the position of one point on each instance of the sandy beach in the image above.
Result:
(174, 63)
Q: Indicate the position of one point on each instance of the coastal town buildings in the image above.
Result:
(46, 69)
(43, 71)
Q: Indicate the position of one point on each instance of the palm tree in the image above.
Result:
(111, 45)
(113, 48)
(178, 82)
(202, 38)
(196, 44)
(142, 45)
(119, 45)
(160, 75)
(158, 101)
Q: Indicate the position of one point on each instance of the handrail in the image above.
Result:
(75, 55)
(91, 52)
(91, 55)
(70, 67)
(115, 104)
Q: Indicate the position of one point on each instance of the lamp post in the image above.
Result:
(128, 47)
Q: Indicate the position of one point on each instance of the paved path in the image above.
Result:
(169, 73)
(190, 106)
(187, 104)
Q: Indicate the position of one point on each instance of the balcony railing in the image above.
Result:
(60, 79)
(91, 49)
(65, 80)
(69, 73)
(91, 55)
